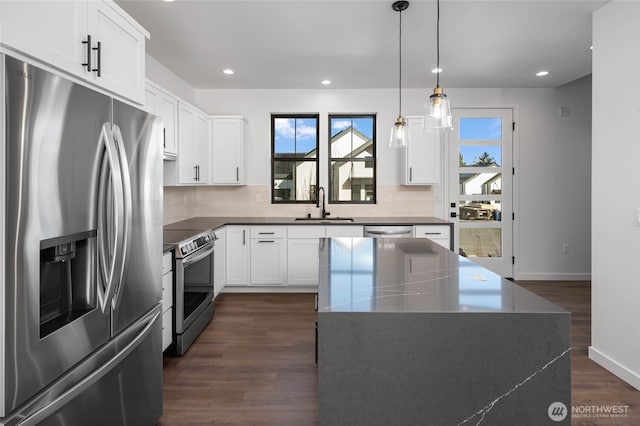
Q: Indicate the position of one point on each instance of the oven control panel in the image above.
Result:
(187, 247)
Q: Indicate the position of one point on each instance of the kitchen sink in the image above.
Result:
(325, 220)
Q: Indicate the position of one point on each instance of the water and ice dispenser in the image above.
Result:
(67, 279)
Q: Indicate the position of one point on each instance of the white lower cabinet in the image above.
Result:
(440, 234)
(237, 260)
(268, 256)
(167, 299)
(219, 261)
(303, 243)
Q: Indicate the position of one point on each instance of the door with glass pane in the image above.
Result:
(481, 185)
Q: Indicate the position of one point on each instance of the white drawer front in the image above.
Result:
(336, 231)
(167, 291)
(431, 231)
(305, 231)
(167, 329)
(167, 262)
(267, 231)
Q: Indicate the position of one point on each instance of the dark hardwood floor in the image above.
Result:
(254, 364)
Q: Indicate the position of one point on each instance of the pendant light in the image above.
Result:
(437, 109)
(400, 130)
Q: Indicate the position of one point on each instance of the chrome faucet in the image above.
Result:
(325, 213)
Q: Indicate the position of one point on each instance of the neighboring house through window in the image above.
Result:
(352, 166)
(294, 169)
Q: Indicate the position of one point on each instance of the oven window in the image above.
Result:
(198, 284)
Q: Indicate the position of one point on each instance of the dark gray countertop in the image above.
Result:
(413, 275)
(178, 231)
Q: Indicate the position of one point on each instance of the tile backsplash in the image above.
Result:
(255, 201)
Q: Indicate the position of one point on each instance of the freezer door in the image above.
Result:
(52, 319)
(120, 384)
(140, 136)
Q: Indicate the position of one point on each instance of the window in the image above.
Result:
(352, 165)
(294, 167)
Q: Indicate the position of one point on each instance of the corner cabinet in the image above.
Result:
(194, 146)
(228, 150)
(95, 41)
(422, 155)
(165, 106)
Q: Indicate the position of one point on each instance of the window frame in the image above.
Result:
(314, 195)
(330, 159)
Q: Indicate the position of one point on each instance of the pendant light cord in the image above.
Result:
(438, 44)
(400, 67)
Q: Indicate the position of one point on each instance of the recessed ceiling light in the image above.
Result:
(542, 73)
(228, 71)
(436, 70)
(326, 82)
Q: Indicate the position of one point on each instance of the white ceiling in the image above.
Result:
(298, 43)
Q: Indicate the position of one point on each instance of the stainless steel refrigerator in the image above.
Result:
(81, 318)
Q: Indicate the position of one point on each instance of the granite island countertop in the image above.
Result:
(414, 275)
(411, 333)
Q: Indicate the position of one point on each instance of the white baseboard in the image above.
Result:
(270, 289)
(615, 367)
(535, 276)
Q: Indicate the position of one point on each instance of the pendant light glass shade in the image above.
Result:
(400, 134)
(400, 130)
(437, 109)
(437, 112)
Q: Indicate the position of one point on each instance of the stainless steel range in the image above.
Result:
(194, 288)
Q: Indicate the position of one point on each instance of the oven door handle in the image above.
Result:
(205, 251)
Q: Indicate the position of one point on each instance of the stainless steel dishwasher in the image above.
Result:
(389, 231)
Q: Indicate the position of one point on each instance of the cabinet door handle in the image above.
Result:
(266, 241)
(266, 233)
(433, 233)
(164, 137)
(98, 50)
(88, 43)
(410, 174)
(195, 171)
(237, 174)
(244, 239)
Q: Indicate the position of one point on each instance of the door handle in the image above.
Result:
(99, 58)
(410, 174)
(88, 43)
(237, 174)
(164, 137)
(109, 259)
(128, 212)
(195, 171)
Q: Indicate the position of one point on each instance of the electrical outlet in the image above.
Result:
(258, 198)
(565, 248)
(565, 111)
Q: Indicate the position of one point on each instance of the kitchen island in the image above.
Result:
(411, 333)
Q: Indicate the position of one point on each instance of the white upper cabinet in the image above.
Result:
(165, 106)
(422, 156)
(193, 146)
(93, 40)
(228, 150)
(51, 31)
(120, 54)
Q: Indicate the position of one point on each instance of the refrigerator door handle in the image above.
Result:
(109, 230)
(52, 406)
(128, 214)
